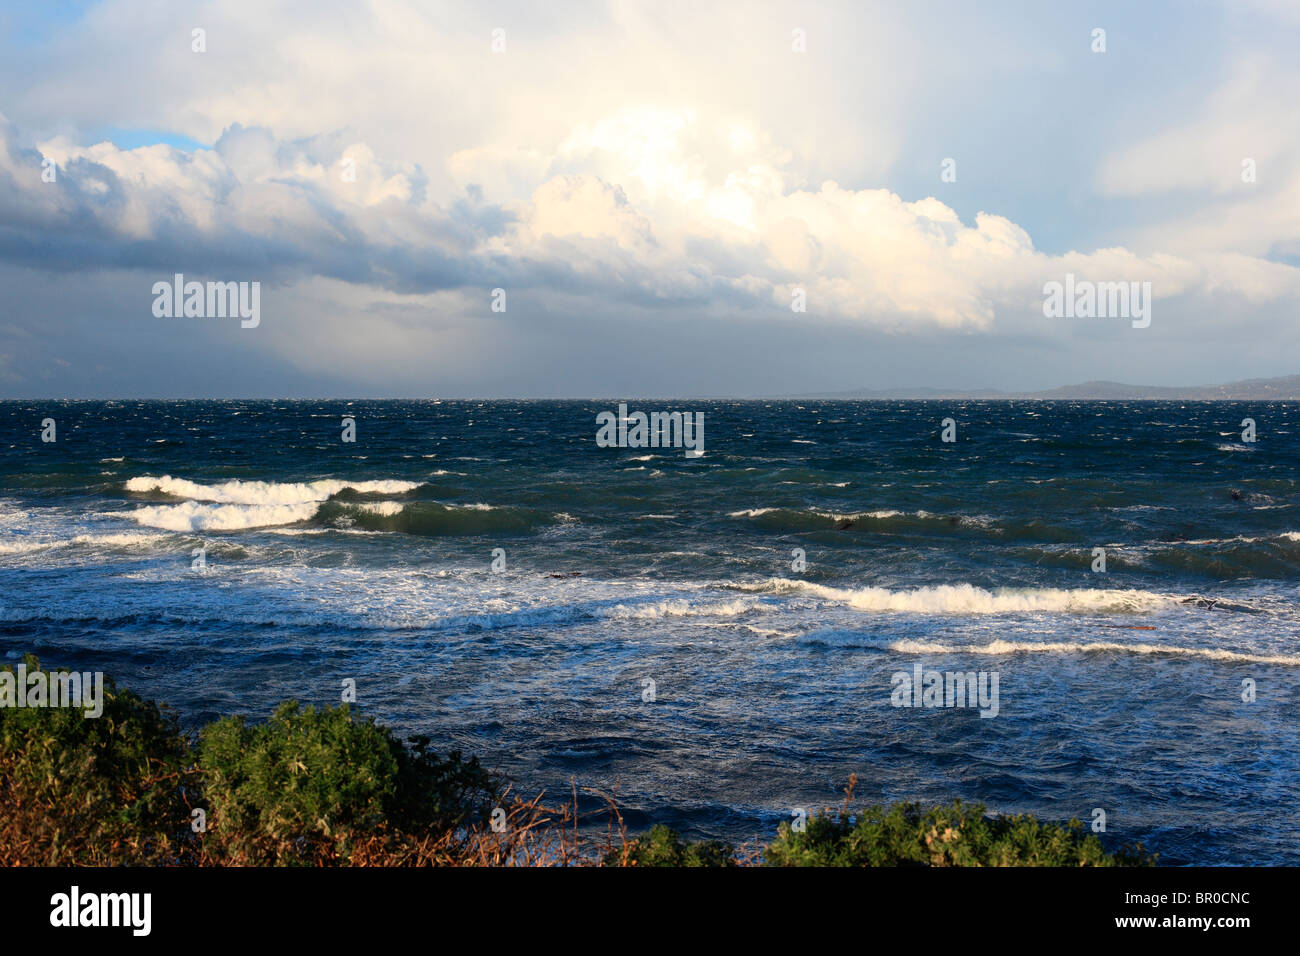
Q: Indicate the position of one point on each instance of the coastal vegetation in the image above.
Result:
(328, 787)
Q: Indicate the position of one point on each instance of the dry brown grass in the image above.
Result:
(532, 833)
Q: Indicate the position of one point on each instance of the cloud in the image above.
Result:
(1235, 161)
(639, 168)
(667, 212)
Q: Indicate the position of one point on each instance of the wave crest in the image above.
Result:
(968, 599)
(1073, 647)
(237, 492)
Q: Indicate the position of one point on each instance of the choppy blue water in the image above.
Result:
(372, 560)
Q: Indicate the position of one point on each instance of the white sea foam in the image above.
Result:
(197, 516)
(1079, 647)
(247, 504)
(679, 607)
(124, 539)
(878, 515)
(968, 599)
(19, 545)
(386, 508)
(29, 544)
(1241, 538)
(264, 492)
(770, 631)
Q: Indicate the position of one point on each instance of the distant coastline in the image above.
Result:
(1285, 388)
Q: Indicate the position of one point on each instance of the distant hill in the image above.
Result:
(1285, 388)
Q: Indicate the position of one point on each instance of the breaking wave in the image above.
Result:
(264, 493)
(329, 502)
(1073, 647)
(968, 599)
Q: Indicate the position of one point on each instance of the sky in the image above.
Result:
(645, 199)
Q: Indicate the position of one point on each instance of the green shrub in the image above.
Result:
(662, 846)
(301, 787)
(78, 790)
(956, 835)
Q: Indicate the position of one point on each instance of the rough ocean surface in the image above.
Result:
(372, 560)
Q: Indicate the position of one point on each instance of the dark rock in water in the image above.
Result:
(1218, 604)
(569, 574)
(1236, 495)
(844, 524)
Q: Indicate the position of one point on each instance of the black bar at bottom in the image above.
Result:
(301, 906)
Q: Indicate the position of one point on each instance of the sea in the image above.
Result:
(717, 641)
